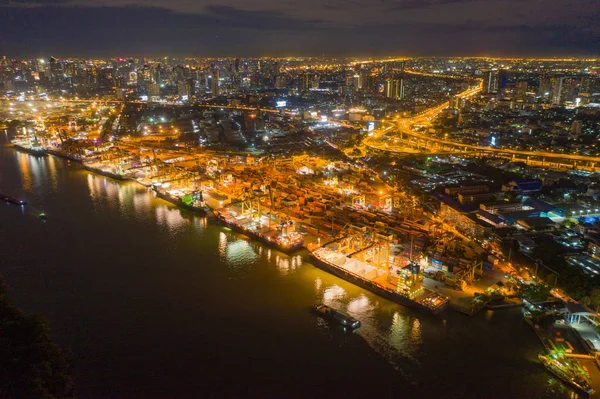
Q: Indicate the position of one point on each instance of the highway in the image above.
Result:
(402, 127)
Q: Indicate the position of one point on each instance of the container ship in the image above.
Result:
(29, 148)
(281, 235)
(105, 172)
(366, 262)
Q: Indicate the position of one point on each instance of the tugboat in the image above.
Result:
(341, 318)
(12, 200)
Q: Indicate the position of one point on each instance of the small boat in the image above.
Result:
(12, 200)
(341, 318)
(42, 215)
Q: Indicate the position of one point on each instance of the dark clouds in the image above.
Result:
(303, 27)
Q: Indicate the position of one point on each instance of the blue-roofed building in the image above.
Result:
(545, 209)
(523, 186)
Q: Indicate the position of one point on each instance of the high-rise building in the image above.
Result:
(401, 88)
(585, 86)
(393, 89)
(371, 82)
(305, 83)
(521, 90)
(490, 82)
(544, 87)
(315, 82)
(576, 128)
(556, 84)
(362, 78)
(214, 83)
(455, 102)
(153, 90)
(502, 82)
(570, 89)
(585, 91)
(184, 89)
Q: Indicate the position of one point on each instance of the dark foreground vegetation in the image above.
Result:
(32, 365)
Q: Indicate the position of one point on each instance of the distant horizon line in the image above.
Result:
(379, 58)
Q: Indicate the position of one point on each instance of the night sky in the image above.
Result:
(298, 27)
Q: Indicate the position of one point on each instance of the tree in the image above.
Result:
(595, 298)
(32, 365)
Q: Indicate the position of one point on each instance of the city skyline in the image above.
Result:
(360, 28)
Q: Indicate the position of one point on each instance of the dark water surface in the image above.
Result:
(155, 302)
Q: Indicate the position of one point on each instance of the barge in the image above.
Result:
(330, 313)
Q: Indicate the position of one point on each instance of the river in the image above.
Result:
(154, 302)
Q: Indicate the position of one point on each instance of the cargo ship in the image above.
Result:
(405, 289)
(191, 202)
(106, 173)
(30, 149)
(330, 313)
(64, 154)
(564, 370)
(289, 242)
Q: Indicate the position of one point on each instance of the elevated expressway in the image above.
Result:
(398, 137)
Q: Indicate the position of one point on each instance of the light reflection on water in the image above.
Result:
(171, 218)
(241, 254)
(36, 171)
(286, 264)
(237, 253)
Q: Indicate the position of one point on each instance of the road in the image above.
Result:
(403, 127)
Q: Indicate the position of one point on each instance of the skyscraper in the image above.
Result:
(305, 83)
(521, 90)
(585, 90)
(490, 82)
(394, 89)
(184, 89)
(214, 83)
(570, 90)
(502, 82)
(544, 86)
(556, 91)
(576, 128)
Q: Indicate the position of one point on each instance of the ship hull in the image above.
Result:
(64, 155)
(374, 288)
(179, 203)
(37, 153)
(105, 173)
